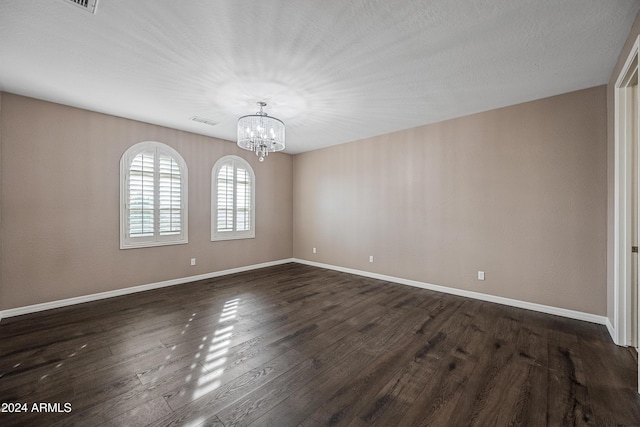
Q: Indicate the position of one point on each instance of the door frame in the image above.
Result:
(623, 198)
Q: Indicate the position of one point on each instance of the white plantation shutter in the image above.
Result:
(225, 198)
(170, 196)
(153, 196)
(243, 199)
(142, 195)
(232, 207)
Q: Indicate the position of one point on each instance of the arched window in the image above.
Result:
(153, 196)
(232, 199)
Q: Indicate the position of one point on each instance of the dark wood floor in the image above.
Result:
(298, 345)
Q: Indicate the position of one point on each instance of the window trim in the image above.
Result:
(127, 158)
(231, 235)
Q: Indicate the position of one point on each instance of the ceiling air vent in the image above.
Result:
(88, 5)
(203, 120)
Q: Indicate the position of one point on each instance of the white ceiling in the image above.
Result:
(334, 70)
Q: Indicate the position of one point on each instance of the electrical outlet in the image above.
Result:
(314, 250)
(370, 258)
(480, 275)
(193, 261)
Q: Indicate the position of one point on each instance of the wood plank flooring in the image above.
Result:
(297, 345)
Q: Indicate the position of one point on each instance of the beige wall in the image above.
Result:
(519, 192)
(60, 205)
(633, 35)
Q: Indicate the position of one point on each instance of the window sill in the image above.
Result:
(232, 237)
(139, 245)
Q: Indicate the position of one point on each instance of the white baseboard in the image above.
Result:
(612, 330)
(125, 291)
(571, 314)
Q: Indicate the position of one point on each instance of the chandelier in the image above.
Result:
(260, 133)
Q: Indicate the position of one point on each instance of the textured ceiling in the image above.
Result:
(334, 71)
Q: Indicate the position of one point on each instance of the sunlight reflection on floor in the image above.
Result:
(214, 359)
(58, 365)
